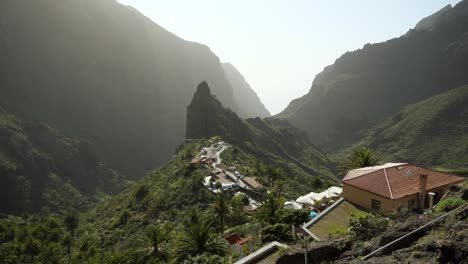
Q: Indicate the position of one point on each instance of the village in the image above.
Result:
(382, 189)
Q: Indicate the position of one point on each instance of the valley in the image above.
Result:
(121, 142)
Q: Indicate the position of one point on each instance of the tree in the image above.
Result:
(199, 238)
(267, 210)
(360, 158)
(238, 216)
(141, 192)
(71, 222)
(158, 235)
(193, 215)
(32, 247)
(276, 232)
(274, 174)
(67, 242)
(220, 211)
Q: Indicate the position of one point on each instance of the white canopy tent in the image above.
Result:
(305, 200)
(292, 205)
(313, 197)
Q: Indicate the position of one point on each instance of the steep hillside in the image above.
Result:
(380, 79)
(433, 132)
(244, 94)
(103, 71)
(42, 168)
(273, 141)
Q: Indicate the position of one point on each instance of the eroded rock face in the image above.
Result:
(206, 117)
(102, 71)
(378, 80)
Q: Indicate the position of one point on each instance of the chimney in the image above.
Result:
(422, 190)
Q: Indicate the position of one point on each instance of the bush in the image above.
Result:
(449, 204)
(276, 232)
(367, 227)
(292, 217)
(205, 258)
(141, 192)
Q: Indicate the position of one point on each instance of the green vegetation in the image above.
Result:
(199, 238)
(433, 132)
(449, 204)
(360, 158)
(44, 170)
(221, 211)
(270, 148)
(366, 85)
(336, 222)
(363, 228)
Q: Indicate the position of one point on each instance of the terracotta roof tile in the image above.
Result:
(401, 180)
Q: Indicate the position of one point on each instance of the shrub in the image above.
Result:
(367, 227)
(141, 192)
(205, 258)
(449, 204)
(292, 217)
(276, 232)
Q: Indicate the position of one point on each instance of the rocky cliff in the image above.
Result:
(244, 94)
(380, 79)
(99, 70)
(271, 140)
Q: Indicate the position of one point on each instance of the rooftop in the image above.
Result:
(396, 180)
(253, 183)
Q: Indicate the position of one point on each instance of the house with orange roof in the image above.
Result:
(393, 186)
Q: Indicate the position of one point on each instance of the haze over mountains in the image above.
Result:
(380, 79)
(102, 71)
(111, 152)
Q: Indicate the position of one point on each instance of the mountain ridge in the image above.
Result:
(105, 72)
(380, 79)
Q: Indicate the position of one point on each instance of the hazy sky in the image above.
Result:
(278, 45)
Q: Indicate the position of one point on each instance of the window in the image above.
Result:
(375, 204)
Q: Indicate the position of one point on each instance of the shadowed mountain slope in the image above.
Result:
(380, 79)
(40, 167)
(271, 140)
(99, 70)
(433, 132)
(244, 94)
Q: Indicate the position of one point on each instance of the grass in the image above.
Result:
(336, 222)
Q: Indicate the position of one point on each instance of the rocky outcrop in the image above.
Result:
(206, 118)
(102, 71)
(272, 140)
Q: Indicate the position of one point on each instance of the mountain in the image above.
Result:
(273, 141)
(99, 70)
(244, 94)
(433, 132)
(374, 82)
(41, 167)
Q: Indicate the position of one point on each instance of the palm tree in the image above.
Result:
(269, 207)
(360, 158)
(220, 211)
(199, 238)
(71, 222)
(157, 235)
(238, 214)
